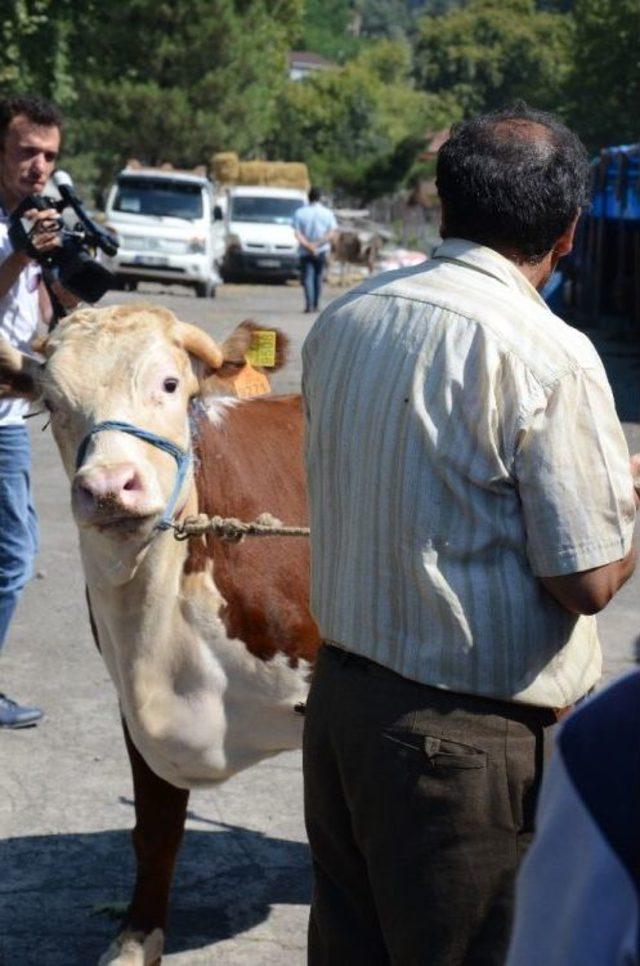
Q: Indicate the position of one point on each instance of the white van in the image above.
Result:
(164, 223)
(259, 236)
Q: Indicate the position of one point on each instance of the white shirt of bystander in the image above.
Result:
(19, 315)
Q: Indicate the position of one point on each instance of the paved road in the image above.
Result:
(243, 882)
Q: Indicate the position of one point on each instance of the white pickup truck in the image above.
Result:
(164, 222)
(259, 236)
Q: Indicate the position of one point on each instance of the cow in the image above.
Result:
(352, 246)
(209, 644)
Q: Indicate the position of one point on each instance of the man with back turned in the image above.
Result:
(471, 508)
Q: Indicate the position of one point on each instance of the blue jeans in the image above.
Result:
(18, 521)
(311, 271)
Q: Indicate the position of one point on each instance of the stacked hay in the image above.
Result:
(253, 172)
(228, 170)
(226, 167)
(288, 174)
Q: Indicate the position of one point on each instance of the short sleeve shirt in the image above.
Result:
(314, 221)
(462, 441)
(19, 314)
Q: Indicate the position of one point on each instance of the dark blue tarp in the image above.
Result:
(615, 184)
(599, 284)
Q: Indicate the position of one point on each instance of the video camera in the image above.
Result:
(72, 263)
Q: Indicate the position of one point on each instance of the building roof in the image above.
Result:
(306, 58)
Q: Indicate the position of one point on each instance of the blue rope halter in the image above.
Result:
(182, 458)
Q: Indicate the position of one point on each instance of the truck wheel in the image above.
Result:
(205, 290)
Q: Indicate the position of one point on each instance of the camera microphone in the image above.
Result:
(66, 190)
(60, 177)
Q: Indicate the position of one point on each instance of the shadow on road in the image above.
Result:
(54, 886)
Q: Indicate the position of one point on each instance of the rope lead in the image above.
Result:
(234, 531)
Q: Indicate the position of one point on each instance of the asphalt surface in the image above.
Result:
(243, 882)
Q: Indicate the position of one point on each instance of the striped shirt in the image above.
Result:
(461, 441)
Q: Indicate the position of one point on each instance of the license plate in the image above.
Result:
(152, 261)
(268, 263)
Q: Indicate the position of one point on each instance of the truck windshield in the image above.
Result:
(277, 211)
(159, 196)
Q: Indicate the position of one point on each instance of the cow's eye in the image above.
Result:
(170, 385)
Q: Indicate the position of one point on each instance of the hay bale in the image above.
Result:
(228, 169)
(253, 172)
(225, 166)
(288, 174)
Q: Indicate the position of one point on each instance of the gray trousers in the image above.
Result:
(419, 805)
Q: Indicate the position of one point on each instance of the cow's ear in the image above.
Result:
(264, 348)
(18, 373)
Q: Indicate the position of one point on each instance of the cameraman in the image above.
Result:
(30, 133)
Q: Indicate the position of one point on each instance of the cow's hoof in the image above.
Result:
(134, 949)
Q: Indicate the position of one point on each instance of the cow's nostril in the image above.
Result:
(132, 483)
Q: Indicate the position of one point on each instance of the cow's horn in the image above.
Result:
(200, 344)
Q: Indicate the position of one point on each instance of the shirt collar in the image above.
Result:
(479, 258)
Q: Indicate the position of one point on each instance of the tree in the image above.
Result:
(332, 28)
(604, 84)
(34, 38)
(167, 82)
(492, 52)
(359, 126)
(177, 81)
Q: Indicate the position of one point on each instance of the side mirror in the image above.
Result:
(217, 213)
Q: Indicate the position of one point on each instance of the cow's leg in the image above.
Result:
(160, 816)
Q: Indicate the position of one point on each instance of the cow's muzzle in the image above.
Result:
(113, 495)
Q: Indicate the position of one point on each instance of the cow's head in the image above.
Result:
(134, 364)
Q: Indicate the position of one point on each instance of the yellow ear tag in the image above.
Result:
(262, 351)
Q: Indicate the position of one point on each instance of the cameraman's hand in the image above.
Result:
(45, 234)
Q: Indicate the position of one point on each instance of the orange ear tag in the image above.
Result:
(246, 382)
(262, 351)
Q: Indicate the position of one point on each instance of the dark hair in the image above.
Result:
(36, 109)
(513, 180)
(314, 194)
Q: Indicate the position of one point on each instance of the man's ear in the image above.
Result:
(19, 374)
(564, 244)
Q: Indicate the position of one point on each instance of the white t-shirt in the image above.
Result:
(19, 313)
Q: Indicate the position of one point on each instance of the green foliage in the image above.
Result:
(167, 82)
(327, 29)
(359, 127)
(604, 85)
(493, 51)
(34, 44)
(162, 80)
(208, 75)
(386, 18)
